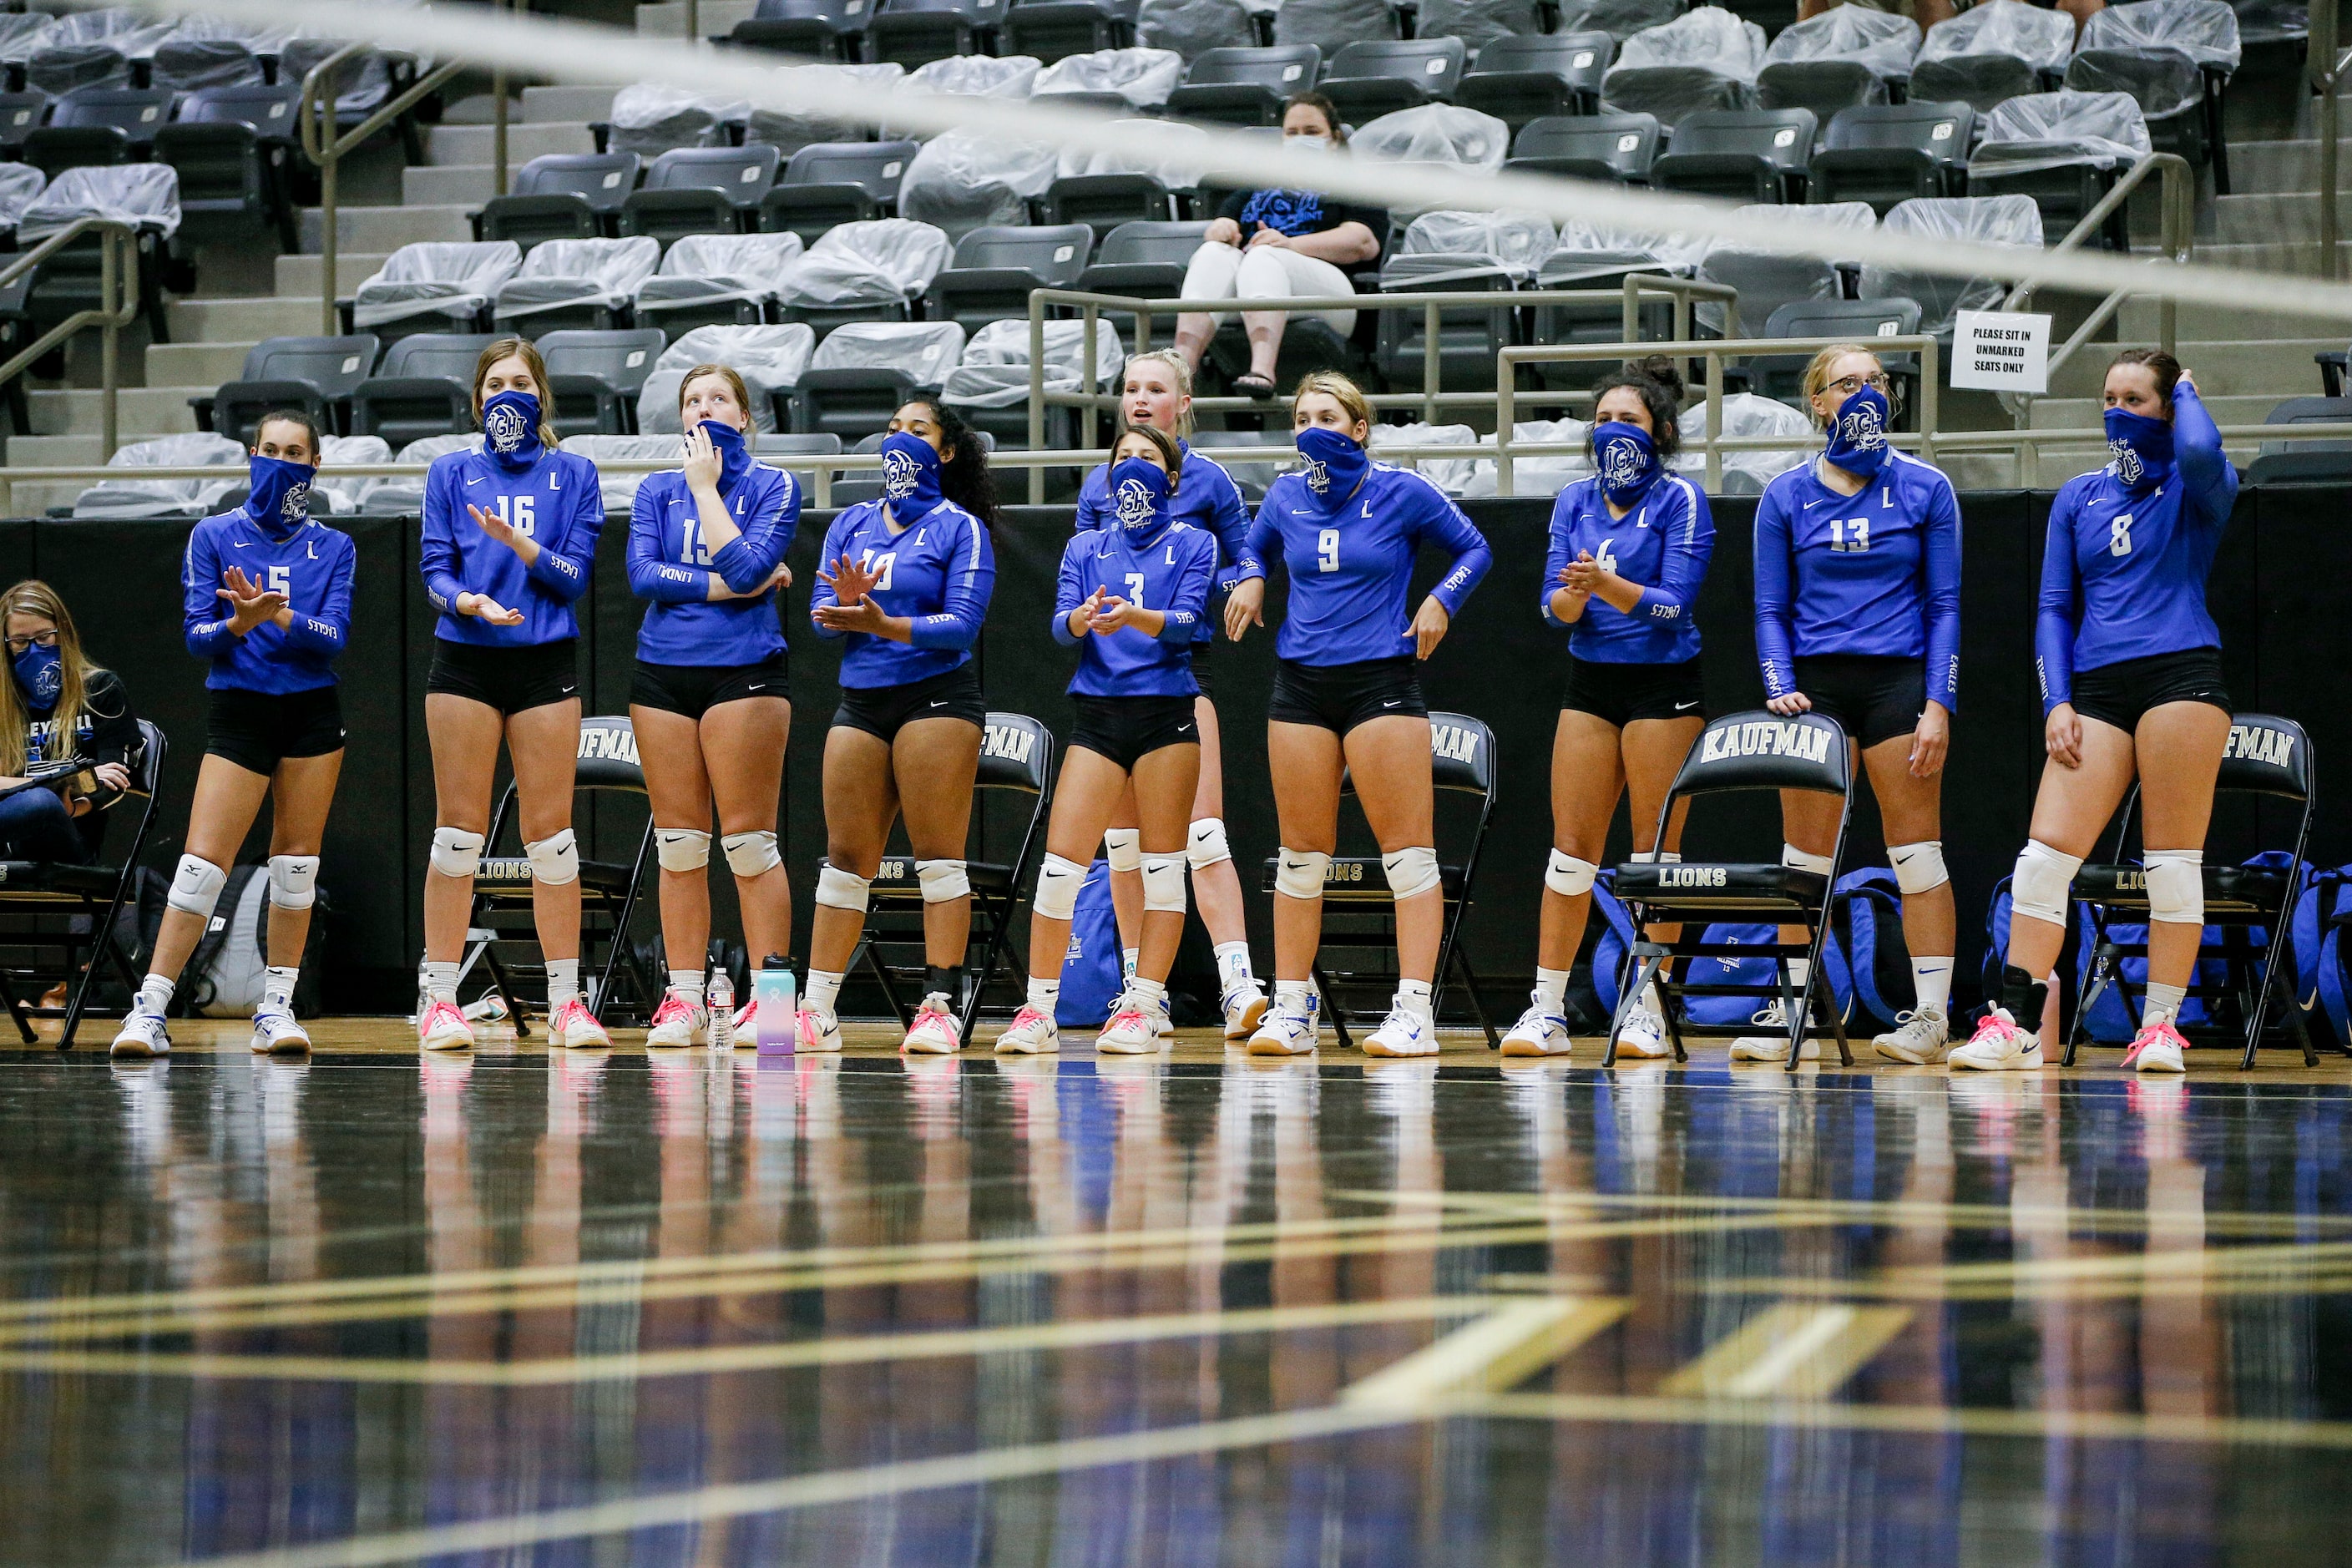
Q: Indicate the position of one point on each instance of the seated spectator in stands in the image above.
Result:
(1928, 13)
(1270, 243)
(57, 707)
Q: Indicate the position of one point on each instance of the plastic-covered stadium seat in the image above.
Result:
(575, 283)
(833, 183)
(1050, 30)
(1620, 20)
(21, 185)
(395, 493)
(424, 387)
(864, 272)
(701, 190)
(2065, 150)
(1978, 220)
(770, 359)
(341, 493)
(315, 375)
(1245, 85)
(2175, 58)
(1706, 59)
(1782, 376)
(822, 29)
(1767, 281)
(1333, 25)
(990, 385)
(1480, 24)
(717, 279)
(144, 195)
(862, 374)
(1373, 78)
(99, 125)
(1745, 414)
(1196, 27)
(1846, 55)
(131, 496)
(1887, 152)
(1521, 80)
(1591, 257)
(601, 372)
(914, 32)
(1102, 190)
(1143, 77)
(1759, 154)
(650, 118)
(272, 112)
(435, 286)
(1465, 252)
(1619, 147)
(1438, 243)
(979, 75)
(561, 195)
(1440, 134)
(964, 179)
(789, 131)
(995, 268)
(183, 64)
(1990, 53)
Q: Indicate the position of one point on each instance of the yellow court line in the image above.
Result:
(1792, 1348)
(556, 1371)
(1891, 1212)
(1506, 1346)
(2332, 1281)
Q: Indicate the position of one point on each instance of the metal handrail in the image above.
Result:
(118, 274)
(2176, 238)
(2323, 64)
(327, 154)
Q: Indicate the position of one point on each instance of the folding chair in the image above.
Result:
(1358, 911)
(1752, 750)
(608, 889)
(39, 893)
(2266, 755)
(1016, 753)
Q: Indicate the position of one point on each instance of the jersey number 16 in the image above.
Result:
(516, 515)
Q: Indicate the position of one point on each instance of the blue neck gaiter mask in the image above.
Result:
(40, 675)
(1627, 461)
(1139, 498)
(2140, 448)
(1858, 435)
(1336, 463)
(279, 499)
(910, 477)
(511, 429)
(734, 452)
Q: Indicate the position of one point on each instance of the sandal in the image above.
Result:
(1257, 388)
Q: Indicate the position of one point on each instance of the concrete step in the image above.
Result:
(298, 276)
(2085, 413)
(243, 320)
(2276, 367)
(2257, 167)
(525, 141)
(2275, 216)
(54, 452)
(2137, 322)
(716, 20)
(201, 363)
(140, 412)
(553, 105)
(452, 184)
(2298, 257)
(386, 229)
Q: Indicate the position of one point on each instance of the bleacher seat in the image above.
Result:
(990, 385)
(1140, 79)
(95, 49)
(2175, 57)
(865, 370)
(1620, 20)
(1782, 376)
(871, 271)
(1988, 54)
(1705, 59)
(1520, 80)
(1483, 24)
(836, 181)
(1756, 155)
(560, 196)
(395, 493)
(146, 196)
(130, 496)
(272, 112)
(1102, 189)
(575, 284)
(717, 279)
(594, 378)
(821, 29)
(650, 118)
(1619, 147)
(20, 34)
(21, 114)
(2318, 462)
(1373, 78)
(1465, 252)
(965, 180)
(361, 86)
(995, 268)
(424, 387)
(770, 359)
(1436, 135)
(99, 125)
(1333, 25)
(1887, 152)
(1245, 85)
(343, 492)
(701, 190)
(183, 64)
(1767, 281)
(1591, 257)
(979, 75)
(1194, 29)
(1976, 220)
(21, 185)
(789, 131)
(435, 286)
(1144, 260)
(914, 32)
(1746, 472)
(1049, 30)
(231, 149)
(315, 375)
(1848, 55)
(2065, 150)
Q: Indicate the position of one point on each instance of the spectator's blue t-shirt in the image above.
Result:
(1294, 213)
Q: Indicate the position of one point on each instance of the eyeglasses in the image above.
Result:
(1847, 385)
(38, 639)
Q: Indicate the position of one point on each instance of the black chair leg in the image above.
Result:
(102, 944)
(504, 982)
(866, 949)
(16, 1008)
(999, 914)
(1331, 1005)
(1478, 1006)
(1652, 964)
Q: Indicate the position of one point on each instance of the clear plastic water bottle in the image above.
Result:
(777, 1022)
(720, 1000)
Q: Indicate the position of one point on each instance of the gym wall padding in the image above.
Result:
(2277, 593)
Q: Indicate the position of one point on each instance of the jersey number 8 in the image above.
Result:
(2119, 535)
(520, 517)
(1327, 550)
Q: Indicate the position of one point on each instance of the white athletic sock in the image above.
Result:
(277, 989)
(1412, 996)
(1290, 996)
(1152, 991)
(1126, 958)
(2163, 1003)
(155, 994)
(563, 982)
(1044, 995)
(688, 983)
(1551, 989)
(441, 981)
(822, 987)
(1234, 966)
(1931, 979)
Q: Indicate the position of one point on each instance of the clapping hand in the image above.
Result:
(1084, 618)
(854, 609)
(250, 602)
(1113, 612)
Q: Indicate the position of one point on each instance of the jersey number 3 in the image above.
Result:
(2119, 535)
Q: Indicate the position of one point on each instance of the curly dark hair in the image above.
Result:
(964, 477)
(1658, 382)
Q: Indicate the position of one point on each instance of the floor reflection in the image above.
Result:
(1167, 1313)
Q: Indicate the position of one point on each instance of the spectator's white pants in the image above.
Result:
(1268, 272)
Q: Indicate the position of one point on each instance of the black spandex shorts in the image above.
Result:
(2121, 694)
(1201, 663)
(1621, 693)
(1127, 728)
(694, 689)
(1873, 697)
(884, 710)
(259, 729)
(512, 679)
(1338, 697)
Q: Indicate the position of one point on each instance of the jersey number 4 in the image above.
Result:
(515, 511)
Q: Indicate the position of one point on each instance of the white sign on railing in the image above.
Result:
(2000, 350)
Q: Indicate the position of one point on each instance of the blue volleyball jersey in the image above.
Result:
(940, 572)
(312, 565)
(1350, 563)
(670, 565)
(556, 501)
(2124, 570)
(1207, 498)
(1664, 543)
(1171, 569)
(1875, 573)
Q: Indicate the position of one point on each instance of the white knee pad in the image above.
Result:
(1207, 846)
(842, 889)
(293, 880)
(2039, 886)
(749, 854)
(1058, 881)
(1797, 860)
(1299, 873)
(682, 848)
(942, 881)
(1569, 877)
(455, 852)
(1163, 882)
(196, 887)
(1918, 866)
(555, 860)
(1123, 847)
(1412, 869)
(1656, 856)
(2175, 886)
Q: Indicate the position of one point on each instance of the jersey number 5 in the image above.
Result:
(281, 580)
(2119, 535)
(1327, 550)
(515, 511)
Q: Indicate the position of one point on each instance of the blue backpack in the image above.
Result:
(1868, 947)
(1611, 968)
(1093, 969)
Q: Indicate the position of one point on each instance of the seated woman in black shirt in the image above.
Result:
(1271, 243)
(57, 707)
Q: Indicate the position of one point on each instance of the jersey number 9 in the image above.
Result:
(1327, 550)
(519, 515)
